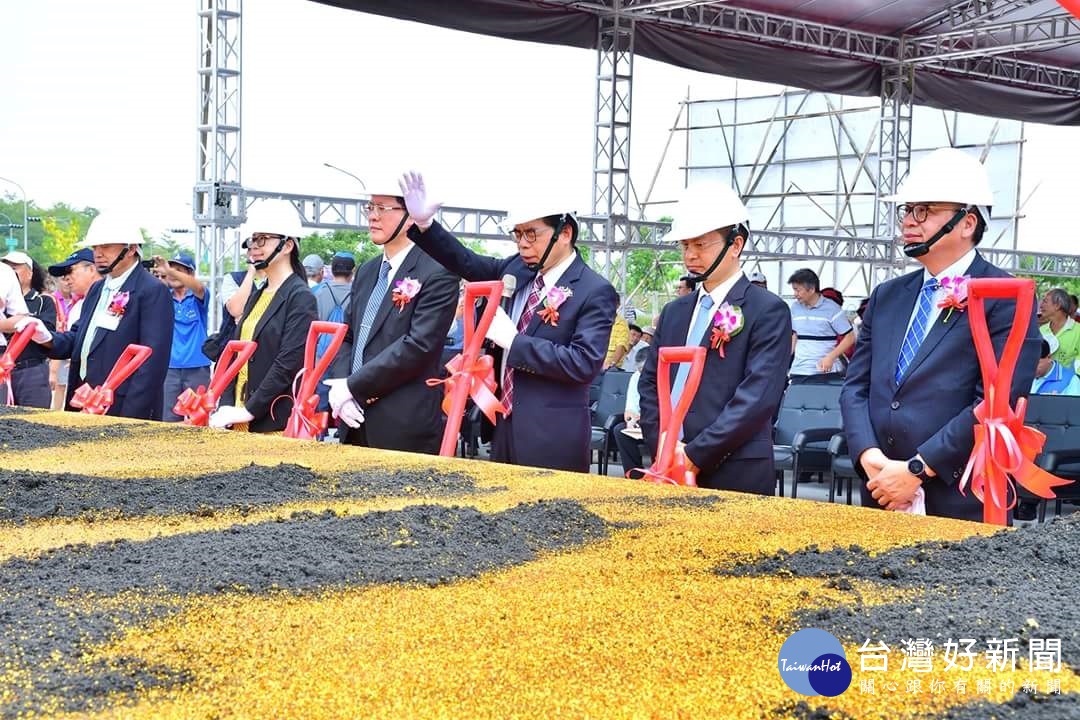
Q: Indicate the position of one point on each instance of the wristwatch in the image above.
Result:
(917, 467)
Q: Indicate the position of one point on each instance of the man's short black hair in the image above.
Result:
(805, 277)
(632, 326)
(1045, 349)
(342, 266)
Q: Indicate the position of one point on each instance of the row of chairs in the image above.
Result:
(809, 438)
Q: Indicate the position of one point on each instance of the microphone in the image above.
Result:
(509, 288)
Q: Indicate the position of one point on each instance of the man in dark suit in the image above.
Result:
(728, 429)
(402, 305)
(552, 341)
(128, 306)
(914, 379)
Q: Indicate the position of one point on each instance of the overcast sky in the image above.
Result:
(102, 104)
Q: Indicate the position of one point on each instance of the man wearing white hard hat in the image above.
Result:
(128, 306)
(551, 332)
(914, 379)
(746, 331)
(402, 305)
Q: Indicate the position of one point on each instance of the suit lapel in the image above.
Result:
(568, 280)
(387, 304)
(90, 303)
(940, 327)
(276, 303)
(681, 311)
(129, 287)
(897, 321)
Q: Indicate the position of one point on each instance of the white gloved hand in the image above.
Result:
(41, 333)
(227, 415)
(421, 208)
(350, 413)
(503, 330)
(339, 393)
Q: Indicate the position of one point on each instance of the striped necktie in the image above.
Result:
(374, 301)
(531, 303)
(917, 332)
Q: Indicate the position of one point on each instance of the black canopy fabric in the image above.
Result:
(713, 52)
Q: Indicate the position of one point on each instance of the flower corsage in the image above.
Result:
(404, 291)
(727, 323)
(118, 304)
(556, 296)
(956, 293)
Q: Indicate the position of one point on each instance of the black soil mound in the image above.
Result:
(16, 434)
(1020, 584)
(56, 606)
(1021, 707)
(26, 495)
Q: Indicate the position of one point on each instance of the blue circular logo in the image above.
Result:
(812, 662)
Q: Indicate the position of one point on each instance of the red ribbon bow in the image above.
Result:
(669, 465)
(98, 400)
(197, 405)
(471, 375)
(1004, 447)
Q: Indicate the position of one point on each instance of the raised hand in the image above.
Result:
(421, 208)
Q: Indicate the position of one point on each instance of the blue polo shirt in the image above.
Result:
(189, 331)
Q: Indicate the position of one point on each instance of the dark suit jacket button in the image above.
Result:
(890, 440)
(956, 474)
(895, 405)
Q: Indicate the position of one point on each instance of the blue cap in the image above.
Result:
(184, 260)
(344, 254)
(62, 268)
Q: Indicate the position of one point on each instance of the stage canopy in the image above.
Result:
(1015, 59)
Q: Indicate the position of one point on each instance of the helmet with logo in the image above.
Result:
(112, 229)
(704, 207)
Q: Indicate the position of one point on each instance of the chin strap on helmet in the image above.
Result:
(538, 266)
(729, 240)
(919, 249)
(109, 268)
(265, 262)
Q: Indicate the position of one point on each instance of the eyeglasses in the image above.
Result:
(528, 235)
(919, 211)
(697, 245)
(258, 240)
(371, 208)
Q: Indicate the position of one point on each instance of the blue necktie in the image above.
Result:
(917, 332)
(373, 303)
(701, 323)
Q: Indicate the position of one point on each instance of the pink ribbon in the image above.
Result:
(98, 400)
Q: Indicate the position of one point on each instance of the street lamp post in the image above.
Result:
(346, 172)
(7, 227)
(24, 221)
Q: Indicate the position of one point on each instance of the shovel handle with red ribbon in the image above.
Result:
(98, 400)
(471, 375)
(304, 422)
(669, 465)
(18, 343)
(196, 405)
(1005, 448)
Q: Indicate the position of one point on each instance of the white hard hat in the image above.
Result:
(704, 207)
(946, 175)
(273, 217)
(107, 229)
(529, 211)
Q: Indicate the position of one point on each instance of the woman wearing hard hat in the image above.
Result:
(277, 317)
(31, 377)
(914, 379)
(747, 334)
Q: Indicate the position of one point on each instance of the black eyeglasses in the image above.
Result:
(258, 240)
(528, 234)
(919, 211)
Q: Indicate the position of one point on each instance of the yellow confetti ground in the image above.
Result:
(635, 625)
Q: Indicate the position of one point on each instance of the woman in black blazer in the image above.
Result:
(277, 317)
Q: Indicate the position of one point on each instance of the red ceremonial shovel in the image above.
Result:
(669, 465)
(98, 400)
(196, 405)
(304, 422)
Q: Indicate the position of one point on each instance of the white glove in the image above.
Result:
(421, 208)
(41, 333)
(503, 330)
(339, 393)
(350, 413)
(227, 415)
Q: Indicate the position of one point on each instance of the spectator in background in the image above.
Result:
(816, 324)
(758, 278)
(277, 316)
(31, 380)
(647, 335)
(630, 444)
(332, 305)
(313, 268)
(618, 343)
(1051, 377)
(76, 274)
(637, 344)
(1056, 311)
(686, 285)
(1075, 308)
(188, 366)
